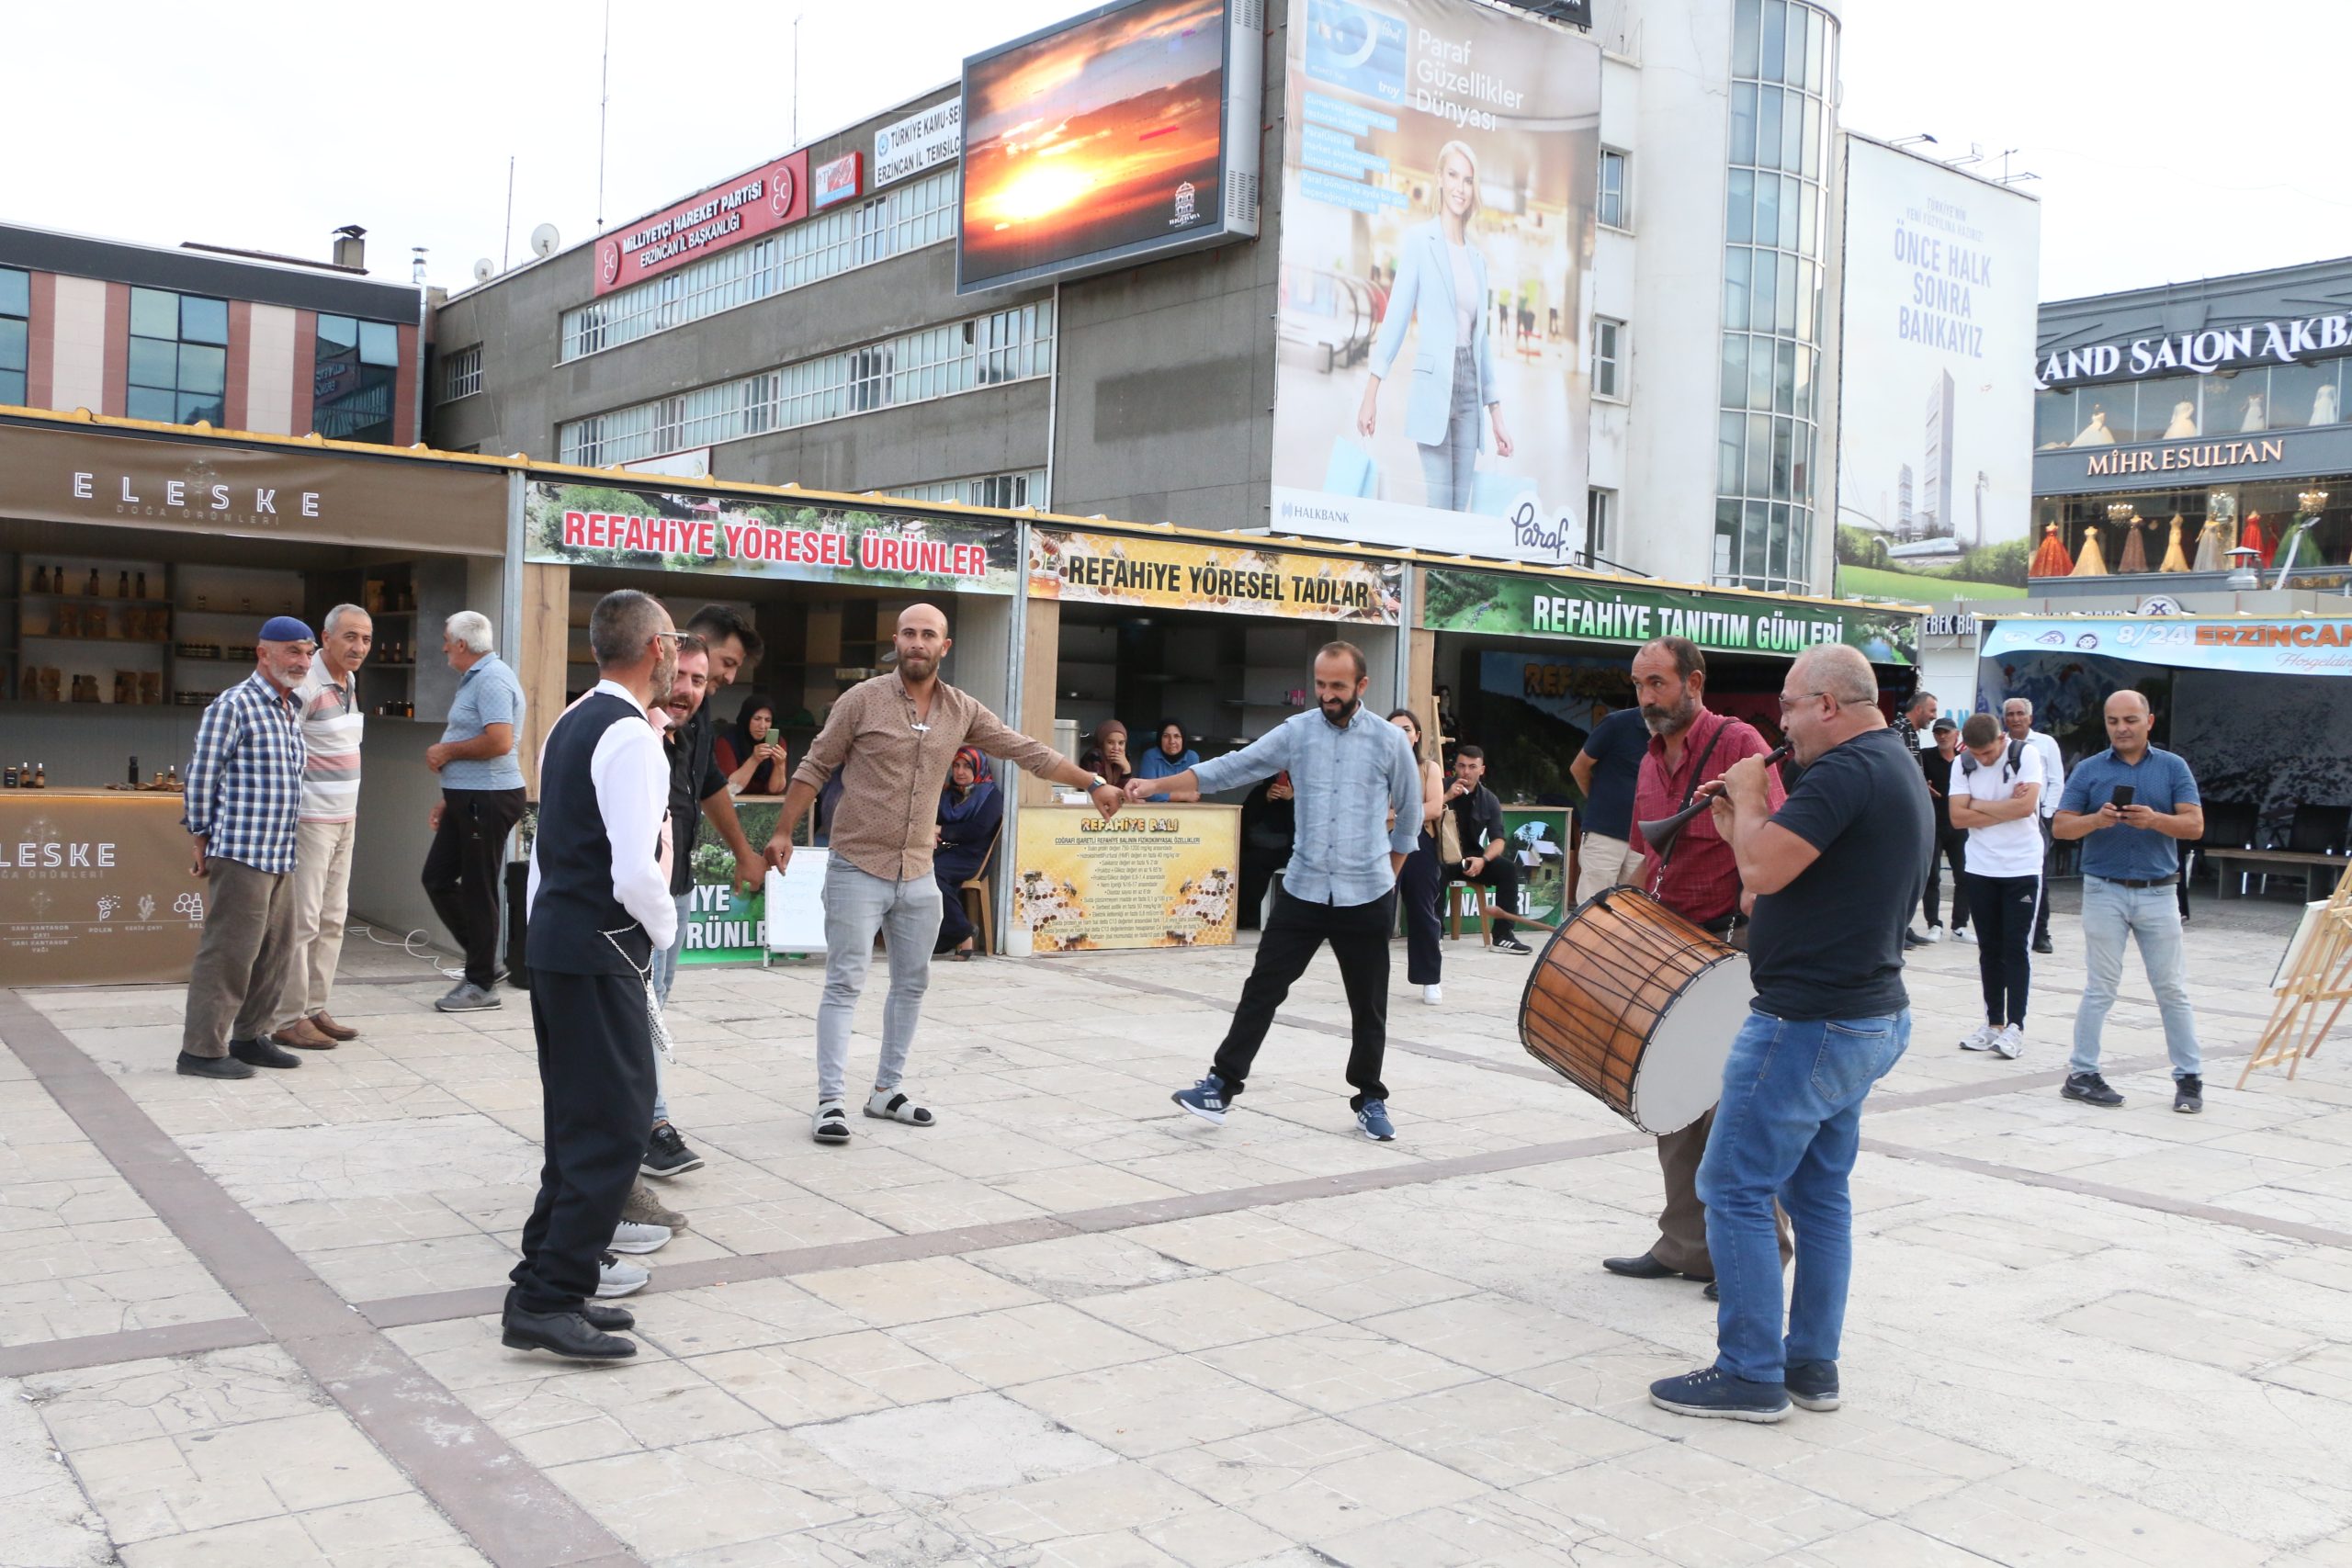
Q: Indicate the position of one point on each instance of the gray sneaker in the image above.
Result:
(467, 997)
(618, 1276)
(631, 1236)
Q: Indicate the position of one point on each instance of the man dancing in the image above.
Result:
(599, 911)
(1359, 815)
(1836, 871)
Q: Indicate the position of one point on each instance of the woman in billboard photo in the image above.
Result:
(1440, 289)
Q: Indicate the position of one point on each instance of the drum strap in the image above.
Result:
(1698, 776)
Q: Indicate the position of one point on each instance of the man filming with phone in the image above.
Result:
(2129, 806)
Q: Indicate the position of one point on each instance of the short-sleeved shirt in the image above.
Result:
(1829, 945)
(2005, 849)
(2161, 782)
(488, 693)
(1616, 746)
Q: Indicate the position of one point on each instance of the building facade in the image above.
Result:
(191, 335)
(812, 333)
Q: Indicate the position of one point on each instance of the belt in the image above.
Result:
(2141, 881)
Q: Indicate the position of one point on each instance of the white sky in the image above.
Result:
(2175, 139)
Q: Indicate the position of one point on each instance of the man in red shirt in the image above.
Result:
(1698, 878)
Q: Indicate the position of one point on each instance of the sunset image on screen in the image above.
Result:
(1099, 137)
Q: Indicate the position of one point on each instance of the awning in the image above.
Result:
(2298, 645)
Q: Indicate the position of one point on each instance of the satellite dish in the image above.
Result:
(483, 270)
(544, 240)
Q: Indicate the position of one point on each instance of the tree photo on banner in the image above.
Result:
(1935, 442)
(1439, 161)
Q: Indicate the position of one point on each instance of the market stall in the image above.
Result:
(95, 888)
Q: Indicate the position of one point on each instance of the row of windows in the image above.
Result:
(1778, 210)
(1764, 455)
(1763, 544)
(1005, 491)
(1769, 375)
(1765, 292)
(1780, 40)
(2229, 404)
(179, 358)
(921, 212)
(15, 308)
(1003, 346)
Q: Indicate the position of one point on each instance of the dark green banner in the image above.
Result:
(1629, 615)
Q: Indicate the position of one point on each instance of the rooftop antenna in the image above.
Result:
(796, 79)
(506, 246)
(1913, 141)
(603, 102)
(1975, 156)
(416, 267)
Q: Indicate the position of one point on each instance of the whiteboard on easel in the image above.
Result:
(796, 904)
(2290, 963)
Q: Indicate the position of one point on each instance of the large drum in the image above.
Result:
(1637, 1007)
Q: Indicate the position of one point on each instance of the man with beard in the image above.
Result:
(892, 740)
(1697, 877)
(599, 910)
(1357, 789)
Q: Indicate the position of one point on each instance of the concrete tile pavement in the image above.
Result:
(1125, 1337)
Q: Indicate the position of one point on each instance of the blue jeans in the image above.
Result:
(1788, 1126)
(665, 972)
(2111, 912)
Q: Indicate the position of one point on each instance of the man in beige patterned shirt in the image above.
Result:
(893, 738)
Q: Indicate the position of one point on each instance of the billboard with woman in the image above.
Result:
(1439, 161)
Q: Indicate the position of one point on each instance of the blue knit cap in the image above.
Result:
(285, 628)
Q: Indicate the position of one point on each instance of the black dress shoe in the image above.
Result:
(565, 1334)
(2042, 944)
(1711, 1292)
(1646, 1267)
(213, 1068)
(611, 1319)
(262, 1054)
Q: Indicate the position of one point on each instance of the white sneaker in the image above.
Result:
(1935, 933)
(1433, 995)
(2009, 1042)
(1981, 1040)
(1966, 934)
(633, 1238)
(615, 1278)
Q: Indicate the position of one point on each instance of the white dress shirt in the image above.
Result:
(2053, 769)
(632, 780)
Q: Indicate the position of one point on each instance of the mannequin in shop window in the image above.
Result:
(2095, 434)
(2184, 422)
(2323, 405)
(2257, 416)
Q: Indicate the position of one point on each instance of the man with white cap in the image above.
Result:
(245, 786)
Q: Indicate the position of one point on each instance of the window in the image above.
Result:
(16, 331)
(354, 371)
(1613, 213)
(912, 216)
(1005, 491)
(1608, 359)
(935, 361)
(179, 358)
(1600, 511)
(461, 374)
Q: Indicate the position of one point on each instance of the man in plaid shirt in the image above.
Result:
(244, 788)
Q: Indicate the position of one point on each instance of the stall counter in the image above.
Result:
(94, 888)
(1155, 875)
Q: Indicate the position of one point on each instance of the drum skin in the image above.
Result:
(1637, 1007)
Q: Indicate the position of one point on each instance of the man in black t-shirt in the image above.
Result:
(1951, 842)
(1607, 768)
(1836, 871)
(1486, 854)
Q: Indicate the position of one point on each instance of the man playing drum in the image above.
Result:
(1836, 872)
(1695, 877)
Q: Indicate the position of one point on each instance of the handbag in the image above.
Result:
(1350, 471)
(1494, 494)
(1449, 837)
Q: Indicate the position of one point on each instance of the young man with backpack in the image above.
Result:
(1996, 796)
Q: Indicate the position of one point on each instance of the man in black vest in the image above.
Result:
(599, 911)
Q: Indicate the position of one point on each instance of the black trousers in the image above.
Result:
(1420, 883)
(1501, 874)
(1359, 937)
(465, 871)
(2041, 894)
(1258, 867)
(596, 1088)
(1955, 848)
(2004, 909)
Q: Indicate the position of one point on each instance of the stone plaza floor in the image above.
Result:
(254, 1323)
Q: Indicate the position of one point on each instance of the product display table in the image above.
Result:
(94, 888)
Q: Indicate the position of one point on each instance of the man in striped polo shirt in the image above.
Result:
(325, 826)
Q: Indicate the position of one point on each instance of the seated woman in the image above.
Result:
(1106, 752)
(1168, 756)
(969, 810)
(751, 752)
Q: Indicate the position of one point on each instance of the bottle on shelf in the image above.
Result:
(159, 780)
(131, 778)
(91, 588)
(122, 584)
(41, 579)
(40, 775)
(8, 778)
(142, 585)
(172, 777)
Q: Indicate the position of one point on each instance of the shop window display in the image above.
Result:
(2226, 508)
(2250, 400)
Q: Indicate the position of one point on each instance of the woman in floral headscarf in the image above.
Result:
(969, 811)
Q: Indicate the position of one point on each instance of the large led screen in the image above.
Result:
(1108, 138)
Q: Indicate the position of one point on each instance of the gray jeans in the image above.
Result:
(856, 907)
(239, 971)
(665, 972)
(1451, 468)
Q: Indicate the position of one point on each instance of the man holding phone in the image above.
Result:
(2129, 805)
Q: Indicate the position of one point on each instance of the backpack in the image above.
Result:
(1969, 764)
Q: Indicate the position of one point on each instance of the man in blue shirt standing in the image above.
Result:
(1353, 774)
(481, 799)
(2131, 860)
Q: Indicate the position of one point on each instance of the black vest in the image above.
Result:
(575, 903)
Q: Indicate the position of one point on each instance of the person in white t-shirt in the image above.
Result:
(1997, 788)
(325, 828)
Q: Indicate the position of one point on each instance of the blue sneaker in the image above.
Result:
(1374, 1120)
(1813, 1384)
(1711, 1392)
(1204, 1100)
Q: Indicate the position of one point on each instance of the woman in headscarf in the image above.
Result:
(969, 810)
(1169, 756)
(1106, 752)
(750, 752)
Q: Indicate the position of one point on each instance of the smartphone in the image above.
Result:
(2122, 799)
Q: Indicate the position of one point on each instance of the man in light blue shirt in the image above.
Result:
(481, 799)
(1358, 792)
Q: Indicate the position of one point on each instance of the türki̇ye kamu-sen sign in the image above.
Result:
(712, 538)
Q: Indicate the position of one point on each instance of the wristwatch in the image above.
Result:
(1100, 783)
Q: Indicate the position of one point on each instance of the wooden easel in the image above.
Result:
(2322, 977)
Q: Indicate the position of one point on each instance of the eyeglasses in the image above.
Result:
(1787, 704)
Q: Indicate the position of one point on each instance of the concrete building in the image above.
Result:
(825, 343)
